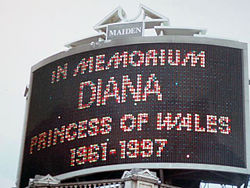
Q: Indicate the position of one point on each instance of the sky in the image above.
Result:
(32, 30)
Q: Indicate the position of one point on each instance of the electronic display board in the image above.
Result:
(137, 103)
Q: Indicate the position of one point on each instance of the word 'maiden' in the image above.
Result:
(136, 58)
(100, 93)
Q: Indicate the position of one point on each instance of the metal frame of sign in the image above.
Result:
(145, 40)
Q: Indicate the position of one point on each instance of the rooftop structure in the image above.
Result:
(148, 18)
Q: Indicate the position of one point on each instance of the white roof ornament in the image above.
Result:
(43, 180)
(116, 26)
(118, 16)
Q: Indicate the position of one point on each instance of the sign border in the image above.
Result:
(145, 40)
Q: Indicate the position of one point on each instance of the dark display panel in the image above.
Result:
(167, 103)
